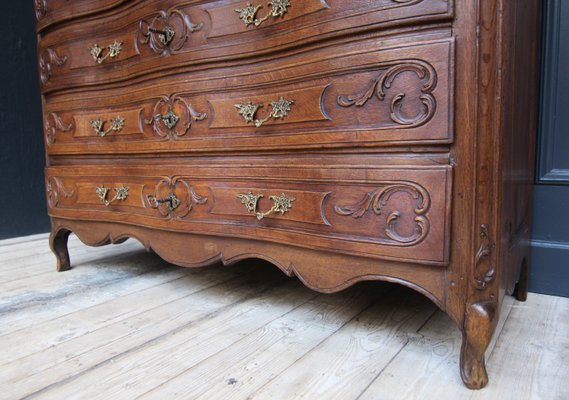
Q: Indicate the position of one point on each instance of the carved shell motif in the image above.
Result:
(381, 85)
(379, 198)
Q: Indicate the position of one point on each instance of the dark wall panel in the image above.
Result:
(22, 198)
(550, 241)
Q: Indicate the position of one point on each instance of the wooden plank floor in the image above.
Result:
(123, 324)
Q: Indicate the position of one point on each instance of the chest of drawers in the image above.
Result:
(340, 140)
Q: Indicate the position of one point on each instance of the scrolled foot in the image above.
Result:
(477, 333)
(58, 244)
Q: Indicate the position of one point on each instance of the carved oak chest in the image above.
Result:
(340, 140)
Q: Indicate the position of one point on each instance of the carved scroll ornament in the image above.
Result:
(379, 198)
(55, 189)
(48, 59)
(40, 7)
(381, 85)
(484, 270)
(54, 124)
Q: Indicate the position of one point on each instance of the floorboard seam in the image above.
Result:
(153, 340)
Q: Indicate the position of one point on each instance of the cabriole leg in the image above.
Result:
(58, 244)
(476, 335)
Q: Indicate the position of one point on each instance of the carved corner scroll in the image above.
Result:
(173, 197)
(379, 198)
(381, 85)
(48, 59)
(40, 7)
(54, 124)
(160, 33)
(173, 117)
(55, 189)
(484, 270)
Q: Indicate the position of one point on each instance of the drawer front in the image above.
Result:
(141, 37)
(50, 12)
(398, 212)
(373, 93)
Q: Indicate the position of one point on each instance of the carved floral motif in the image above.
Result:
(173, 197)
(55, 189)
(379, 198)
(173, 117)
(484, 276)
(380, 85)
(48, 59)
(160, 34)
(54, 124)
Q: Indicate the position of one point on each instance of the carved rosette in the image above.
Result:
(55, 189)
(380, 87)
(484, 271)
(167, 32)
(40, 7)
(173, 197)
(379, 198)
(172, 117)
(54, 124)
(48, 59)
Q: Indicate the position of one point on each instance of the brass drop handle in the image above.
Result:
(121, 193)
(281, 204)
(280, 109)
(98, 125)
(113, 50)
(248, 14)
(172, 201)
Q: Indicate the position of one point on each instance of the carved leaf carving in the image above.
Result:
(55, 189)
(378, 198)
(381, 85)
(484, 276)
(48, 59)
(54, 124)
(40, 7)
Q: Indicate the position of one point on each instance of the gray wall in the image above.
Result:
(550, 256)
(22, 194)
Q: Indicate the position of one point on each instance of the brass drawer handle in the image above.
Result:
(121, 193)
(99, 126)
(248, 14)
(171, 201)
(280, 109)
(113, 50)
(281, 204)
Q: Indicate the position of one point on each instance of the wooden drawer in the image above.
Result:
(158, 35)
(373, 93)
(369, 206)
(50, 12)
